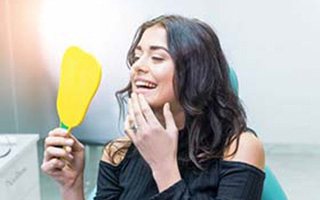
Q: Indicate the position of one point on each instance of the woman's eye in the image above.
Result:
(157, 58)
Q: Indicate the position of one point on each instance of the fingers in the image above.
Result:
(53, 165)
(128, 130)
(63, 155)
(141, 114)
(77, 146)
(58, 141)
(137, 113)
(58, 132)
(169, 120)
(58, 149)
(147, 111)
(57, 152)
(130, 113)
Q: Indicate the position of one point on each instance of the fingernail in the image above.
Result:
(63, 130)
(69, 142)
(70, 156)
(68, 149)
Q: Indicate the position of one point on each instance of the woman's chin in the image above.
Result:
(155, 105)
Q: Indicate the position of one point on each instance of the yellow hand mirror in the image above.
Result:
(79, 80)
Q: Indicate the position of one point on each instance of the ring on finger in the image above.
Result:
(134, 128)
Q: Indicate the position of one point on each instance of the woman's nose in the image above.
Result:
(141, 65)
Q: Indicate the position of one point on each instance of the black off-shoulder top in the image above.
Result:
(222, 180)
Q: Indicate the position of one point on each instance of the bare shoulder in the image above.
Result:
(250, 151)
(115, 151)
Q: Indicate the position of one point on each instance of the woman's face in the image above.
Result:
(152, 72)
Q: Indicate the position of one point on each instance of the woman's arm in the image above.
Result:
(76, 192)
(241, 177)
(64, 165)
(156, 142)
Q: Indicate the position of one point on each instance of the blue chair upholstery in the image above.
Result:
(234, 80)
(92, 194)
(272, 189)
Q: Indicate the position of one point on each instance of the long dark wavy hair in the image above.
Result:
(214, 116)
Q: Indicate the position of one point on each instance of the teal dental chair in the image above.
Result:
(272, 189)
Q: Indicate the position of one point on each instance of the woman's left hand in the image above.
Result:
(157, 144)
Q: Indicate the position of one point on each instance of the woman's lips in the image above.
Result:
(143, 90)
(144, 86)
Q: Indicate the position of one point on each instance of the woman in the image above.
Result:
(186, 132)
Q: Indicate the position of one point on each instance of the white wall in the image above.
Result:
(276, 53)
(272, 45)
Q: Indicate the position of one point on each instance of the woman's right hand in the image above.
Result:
(64, 159)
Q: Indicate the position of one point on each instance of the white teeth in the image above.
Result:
(145, 84)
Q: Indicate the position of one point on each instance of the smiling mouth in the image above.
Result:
(145, 85)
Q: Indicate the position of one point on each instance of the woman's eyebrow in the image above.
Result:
(159, 47)
(153, 48)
